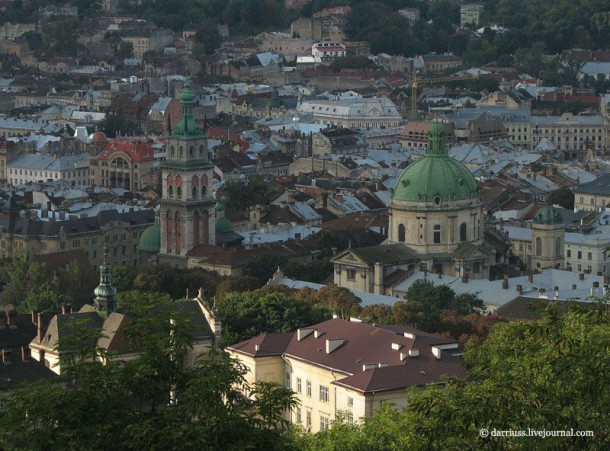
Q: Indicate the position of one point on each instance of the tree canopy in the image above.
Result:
(150, 402)
(547, 375)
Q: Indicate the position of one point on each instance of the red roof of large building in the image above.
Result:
(137, 151)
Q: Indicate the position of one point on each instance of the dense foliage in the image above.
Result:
(550, 375)
(132, 405)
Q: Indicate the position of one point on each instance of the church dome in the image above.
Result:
(436, 177)
(150, 240)
(548, 215)
(223, 225)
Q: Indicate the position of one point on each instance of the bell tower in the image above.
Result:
(187, 206)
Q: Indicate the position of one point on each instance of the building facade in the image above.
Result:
(32, 168)
(374, 112)
(187, 202)
(346, 367)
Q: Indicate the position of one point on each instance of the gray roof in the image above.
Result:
(47, 162)
(22, 226)
(599, 186)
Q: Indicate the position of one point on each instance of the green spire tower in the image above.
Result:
(187, 206)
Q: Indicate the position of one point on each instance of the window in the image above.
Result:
(350, 401)
(298, 385)
(579, 268)
(590, 256)
(323, 393)
(401, 233)
(308, 388)
(297, 415)
(288, 380)
(463, 232)
(579, 255)
(569, 253)
(170, 191)
(194, 192)
(324, 423)
(351, 274)
(538, 247)
(350, 418)
(179, 192)
(437, 234)
(308, 420)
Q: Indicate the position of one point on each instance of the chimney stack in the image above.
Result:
(505, 283)
(33, 316)
(520, 289)
(530, 278)
(25, 354)
(541, 292)
(7, 358)
(581, 276)
(594, 288)
(465, 277)
(40, 327)
(556, 290)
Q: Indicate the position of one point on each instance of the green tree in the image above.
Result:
(113, 124)
(44, 298)
(263, 266)
(236, 284)
(208, 38)
(563, 196)
(244, 193)
(125, 50)
(150, 402)
(123, 277)
(550, 374)
(77, 283)
(246, 315)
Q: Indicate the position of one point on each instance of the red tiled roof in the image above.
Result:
(137, 151)
(362, 344)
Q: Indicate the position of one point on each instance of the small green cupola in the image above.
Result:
(105, 292)
(548, 215)
(187, 127)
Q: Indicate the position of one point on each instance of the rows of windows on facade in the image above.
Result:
(324, 396)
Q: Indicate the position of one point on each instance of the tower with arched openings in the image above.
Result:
(187, 204)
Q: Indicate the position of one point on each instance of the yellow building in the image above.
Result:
(347, 367)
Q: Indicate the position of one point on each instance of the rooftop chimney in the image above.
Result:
(332, 344)
(302, 333)
(39, 327)
(465, 277)
(7, 357)
(505, 283)
(530, 278)
(573, 286)
(594, 288)
(542, 293)
(519, 289)
(556, 290)
(25, 354)
(581, 276)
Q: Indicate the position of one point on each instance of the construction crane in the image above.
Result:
(415, 82)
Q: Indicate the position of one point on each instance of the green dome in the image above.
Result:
(223, 225)
(548, 215)
(150, 240)
(220, 206)
(436, 177)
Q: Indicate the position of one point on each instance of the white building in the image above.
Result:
(31, 168)
(324, 52)
(369, 113)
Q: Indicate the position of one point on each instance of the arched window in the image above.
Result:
(437, 234)
(178, 226)
(191, 151)
(401, 233)
(203, 190)
(169, 230)
(181, 153)
(170, 191)
(179, 192)
(201, 150)
(538, 247)
(195, 228)
(558, 250)
(172, 152)
(463, 232)
(194, 192)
